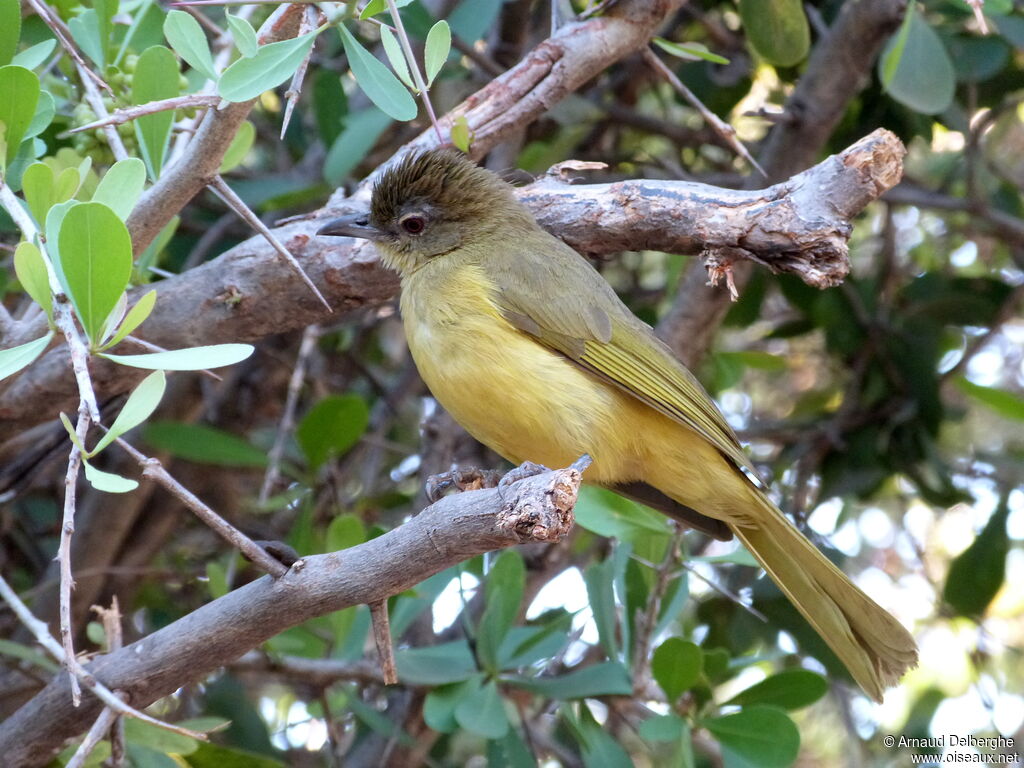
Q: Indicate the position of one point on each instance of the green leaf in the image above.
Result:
(435, 54)
(662, 728)
(159, 739)
(209, 755)
(269, 67)
(345, 531)
(239, 147)
(37, 184)
(503, 594)
(19, 95)
(436, 664)
(777, 29)
(999, 400)
(85, 30)
(96, 260)
(739, 556)
(10, 29)
(676, 665)
(35, 55)
(140, 406)
(14, 359)
(108, 481)
(599, 578)
(600, 749)
(791, 689)
(156, 78)
(688, 51)
(120, 187)
(191, 359)
(609, 678)
(362, 129)
(916, 70)
(372, 9)
(188, 40)
(72, 434)
(393, 50)
(245, 36)
(761, 736)
(33, 276)
(977, 574)
(29, 654)
(331, 427)
(216, 579)
(460, 133)
(439, 706)
(608, 514)
(483, 712)
(376, 80)
(203, 444)
(42, 117)
(135, 317)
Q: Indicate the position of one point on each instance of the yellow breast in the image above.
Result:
(510, 392)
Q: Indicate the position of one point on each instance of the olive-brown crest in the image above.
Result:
(443, 179)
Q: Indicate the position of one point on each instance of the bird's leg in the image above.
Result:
(523, 471)
(471, 479)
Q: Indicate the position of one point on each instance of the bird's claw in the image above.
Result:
(523, 471)
(471, 479)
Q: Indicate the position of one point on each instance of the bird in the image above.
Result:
(528, 347)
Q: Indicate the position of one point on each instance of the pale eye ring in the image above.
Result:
(414, 225)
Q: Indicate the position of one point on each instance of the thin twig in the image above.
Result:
(284, 428)
(154, 470)
(382, 638)
(722, 128)
(127, 114)
(726, 593)
(233, 201)
(95, 99)
(111, 618)
(414, 67)
(42, 635)
(67, 530)
(309, 23)
(63, 36)
(92, 738)
(648, 620)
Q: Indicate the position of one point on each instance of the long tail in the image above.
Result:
(875, 648)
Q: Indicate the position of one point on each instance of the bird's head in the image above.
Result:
(429, 204)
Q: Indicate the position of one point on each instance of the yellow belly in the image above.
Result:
(529, 403)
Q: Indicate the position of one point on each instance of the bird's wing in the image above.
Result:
(594, 329)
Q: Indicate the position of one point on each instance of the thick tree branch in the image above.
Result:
(839, 68)
(800, 225)
(534, 509)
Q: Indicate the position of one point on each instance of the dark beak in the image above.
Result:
(356, 225)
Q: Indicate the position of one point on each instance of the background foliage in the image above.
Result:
(888, 410)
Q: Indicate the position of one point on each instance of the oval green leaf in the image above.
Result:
(188, 40)
(791, 689)
(376, 80)
(32, 57)
(156, 78)
(191, 359)
(10, 29)
(777, 30)
(14, 359)
(916, 70)
(483, 712)
(121, 186)
(19, 95)
(107, 481)
(135, 317)
(676, 665)
(439, 45)
(140, 406)
(244, 34)
(393, 50)
(203, 444)
(96, 258)
(761, 736)
(269, 67)
(239, 147)
(32, 274)
(331, 427)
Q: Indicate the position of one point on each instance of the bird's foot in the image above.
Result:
(471, 479)
(523, 471)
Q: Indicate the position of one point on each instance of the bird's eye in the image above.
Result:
(413, 224)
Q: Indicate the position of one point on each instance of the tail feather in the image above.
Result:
(875, 648)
